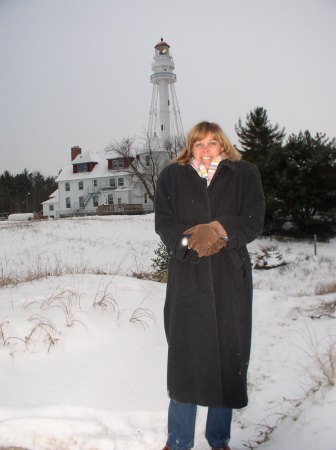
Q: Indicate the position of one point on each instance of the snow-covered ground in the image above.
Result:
(83, 352)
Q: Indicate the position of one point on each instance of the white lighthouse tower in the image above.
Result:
(164, 118)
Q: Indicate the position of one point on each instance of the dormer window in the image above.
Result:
(82, 167)
(118, 163)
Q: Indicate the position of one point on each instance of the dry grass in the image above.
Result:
(142, 275)
(104, 299)
(38, 268)
(321, 354)
(45, 327)
(321, 370)
(152, 276)
(63, 299)
(325, 288)
(4, 324)
(6, 280)
(13, 448)
(141, 316)
(57, 271)
(8, 340)
(324, 309)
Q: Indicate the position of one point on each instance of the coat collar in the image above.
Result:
(227, 163)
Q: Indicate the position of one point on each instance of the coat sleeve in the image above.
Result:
(246, 226)
(167, 225)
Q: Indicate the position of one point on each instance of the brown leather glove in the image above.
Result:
(217, 247)
(206, 238)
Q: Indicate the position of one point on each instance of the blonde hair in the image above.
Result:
(198, 132)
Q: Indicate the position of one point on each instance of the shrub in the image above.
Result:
(160, 263)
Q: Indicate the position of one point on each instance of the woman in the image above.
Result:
(209, 204)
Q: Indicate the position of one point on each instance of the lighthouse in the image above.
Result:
(164, 118)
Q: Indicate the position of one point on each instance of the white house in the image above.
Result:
(101, 182)
(94, 180)
(51, 206)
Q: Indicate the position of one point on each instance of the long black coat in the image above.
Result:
(207, 313)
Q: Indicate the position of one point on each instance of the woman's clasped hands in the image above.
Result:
(206, 238)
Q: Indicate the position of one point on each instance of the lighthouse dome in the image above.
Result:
(162, 44)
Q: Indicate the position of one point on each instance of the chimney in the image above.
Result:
(75, 151)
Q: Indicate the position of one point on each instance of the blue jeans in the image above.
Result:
(181, 426)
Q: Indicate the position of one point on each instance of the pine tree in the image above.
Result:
(304, 178)
(259, 140)
(160, 263)
(24, 192)
(258, 137)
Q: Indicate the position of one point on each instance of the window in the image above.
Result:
(119, 201)
(51, 207)
(118, 163)
(147, 160)
(145, 197)
(120, 182)
(81, 201)
(115, 164)
(68, 202)
(112, 183)
(95, 184)
(80, 185)
(67, 186)
(83, 167)
(95, 200)
(110, 199)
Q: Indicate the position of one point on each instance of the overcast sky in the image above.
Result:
(77, 72)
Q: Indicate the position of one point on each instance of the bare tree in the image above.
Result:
(146, 161)
(174, 145)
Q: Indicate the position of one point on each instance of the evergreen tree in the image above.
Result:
(160, 263)
(24, 191)
(258, 137)
(259, 140)
(304, 183)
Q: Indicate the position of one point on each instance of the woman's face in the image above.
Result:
(205, 150)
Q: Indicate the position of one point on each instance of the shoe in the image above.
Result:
(167, 448)
(225, 448)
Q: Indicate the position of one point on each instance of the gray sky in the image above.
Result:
(76, 72)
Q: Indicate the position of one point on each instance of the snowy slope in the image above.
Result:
(83, 352)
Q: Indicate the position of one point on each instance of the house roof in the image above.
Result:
(99, 170)
(86, 158)
(53, 198)
(55, 195)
